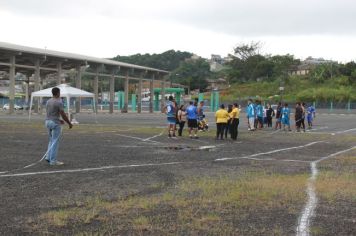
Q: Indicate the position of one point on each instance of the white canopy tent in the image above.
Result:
(66, 92)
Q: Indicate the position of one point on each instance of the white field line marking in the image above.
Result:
(320, 128)
(32, 164)
(270, 152)
(90, 169)
(344, 131)
(276, 131)
(198, 140)
(272, 159)
(140, 165)
(43, 157)
(148, 139)
(108, 131)
(308, 212)
(318, 132)
(206, 147)
(141, 139)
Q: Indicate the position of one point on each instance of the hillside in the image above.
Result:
(295, 89)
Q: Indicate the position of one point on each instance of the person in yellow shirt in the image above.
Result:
(235, 120)
(228, 124)
(221, 118)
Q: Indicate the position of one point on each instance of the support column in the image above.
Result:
(163, 93)
(26, 91)
(12, 83)
(112, 93)
(96, 88)
(37, 84)
(59, 73)
(151, 93)
(126, 91)
(139, 95)
(78, 83)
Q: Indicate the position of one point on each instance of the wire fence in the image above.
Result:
(87, 103)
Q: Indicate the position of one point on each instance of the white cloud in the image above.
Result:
(319, 28)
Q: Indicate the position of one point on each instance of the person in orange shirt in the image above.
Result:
(221, 118)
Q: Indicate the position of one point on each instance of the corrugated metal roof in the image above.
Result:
(66, 55)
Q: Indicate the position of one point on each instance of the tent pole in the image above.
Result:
(68, 110)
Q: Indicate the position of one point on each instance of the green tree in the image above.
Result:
(282, 63)
(169, 60)
(192, 73)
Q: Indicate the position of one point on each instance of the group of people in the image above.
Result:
(227, 120)
(257, 116)
(193, 115)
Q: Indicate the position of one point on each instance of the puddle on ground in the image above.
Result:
(191, 148)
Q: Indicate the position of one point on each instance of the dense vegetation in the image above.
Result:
(251, 74)
(169, 60)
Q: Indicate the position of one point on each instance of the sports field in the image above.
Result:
(123, 176)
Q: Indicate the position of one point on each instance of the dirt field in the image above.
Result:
(123, 176)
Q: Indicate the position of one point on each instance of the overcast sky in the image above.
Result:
(106, 28)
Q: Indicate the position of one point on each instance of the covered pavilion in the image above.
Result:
(37, 63)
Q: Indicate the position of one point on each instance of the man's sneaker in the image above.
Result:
(47, 160)
(169, 136)
(174, 136)
(57, 163)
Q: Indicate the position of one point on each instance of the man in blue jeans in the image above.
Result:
(54, 109)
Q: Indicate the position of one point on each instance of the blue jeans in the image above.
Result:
(54, 132)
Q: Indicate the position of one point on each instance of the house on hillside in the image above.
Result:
(303, 69)
(307, 65)
(216, 63)
(217, 84)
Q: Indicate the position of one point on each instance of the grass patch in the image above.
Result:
(331, 185)
(338, 178)
(209, 205)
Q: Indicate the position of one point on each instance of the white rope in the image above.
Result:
(43, 157)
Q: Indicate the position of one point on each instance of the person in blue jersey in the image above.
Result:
(285, 117)
(310, 116)
(259, 113)
(192, 116)
(171, 117)
(250, 110)
(256, 119)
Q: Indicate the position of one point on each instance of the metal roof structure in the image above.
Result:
(25, 57)
(37, 64)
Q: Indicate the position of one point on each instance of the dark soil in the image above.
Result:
(91, 145)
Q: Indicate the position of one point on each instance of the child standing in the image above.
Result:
(182, 118)
(285, 117)
(310, 116)
(269, 115)
(171, 117)
(278, 116)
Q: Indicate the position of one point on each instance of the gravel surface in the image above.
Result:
(119, 154)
